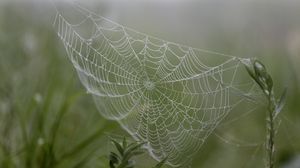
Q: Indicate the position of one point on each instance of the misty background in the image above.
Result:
(37, 78)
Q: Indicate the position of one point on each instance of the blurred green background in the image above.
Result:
(48, 120)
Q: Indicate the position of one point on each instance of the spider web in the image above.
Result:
(169, 95)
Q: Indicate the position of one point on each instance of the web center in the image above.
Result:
(149, 85)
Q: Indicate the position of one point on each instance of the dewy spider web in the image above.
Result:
(166, 94)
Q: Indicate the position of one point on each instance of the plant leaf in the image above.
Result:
(131, 148)
(281, 102)
(118, 146)
(113, 159)
(124, 143)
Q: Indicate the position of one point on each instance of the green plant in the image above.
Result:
(123, 159)
(260, 75)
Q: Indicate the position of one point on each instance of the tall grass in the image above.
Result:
(46, 119)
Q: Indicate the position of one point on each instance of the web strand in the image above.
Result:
(169, 95)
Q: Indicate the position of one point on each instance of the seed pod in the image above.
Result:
(263, 78)
(260, 70)
(269, 82)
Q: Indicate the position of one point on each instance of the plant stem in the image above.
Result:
(260, 75)
(270, 138)
(270, 143)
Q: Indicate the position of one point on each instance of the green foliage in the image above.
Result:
(38, 141)
(123, 159)
(44, 120)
